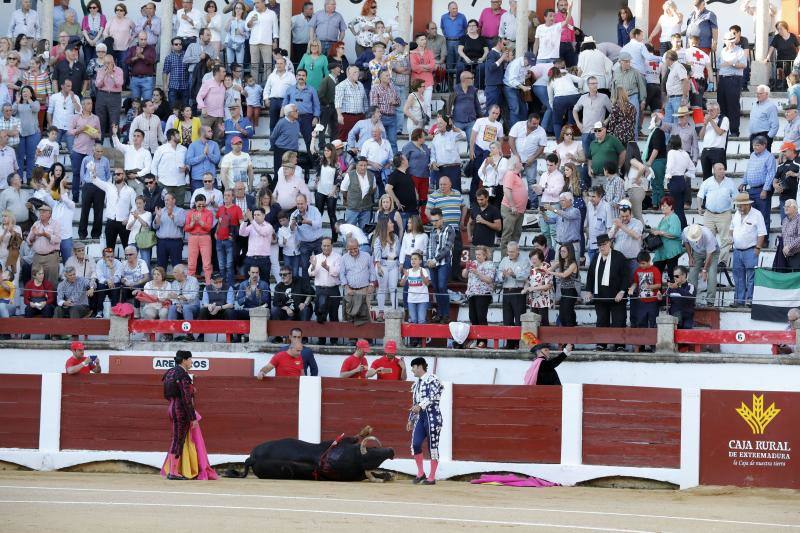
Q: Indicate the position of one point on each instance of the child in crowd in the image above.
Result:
(381, 35)
(47, 150)
(233, 95)
(253, 93)
(645, 284)
(175, 117)
(287, 240)
(416, 279)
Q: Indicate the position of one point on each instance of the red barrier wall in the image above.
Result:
(128, 412)
(510, 423)
(631, 426)
(20, 407)
(747, 438)
(350, 404)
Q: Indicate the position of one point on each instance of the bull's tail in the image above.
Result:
(232, 472)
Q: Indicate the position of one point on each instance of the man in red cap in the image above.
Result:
(355, 366)
(236, 166)
(389, 366)
(78, 363)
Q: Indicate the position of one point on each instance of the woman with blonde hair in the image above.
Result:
(10, 232)
(491, 173)
(386, 254)
(236, 33)
(388, 211)
(315, 63)
(6, 46)
(669, 23)
(622, 120)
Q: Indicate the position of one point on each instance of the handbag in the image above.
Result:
(653, 242)
(146, 239)
(426, 118)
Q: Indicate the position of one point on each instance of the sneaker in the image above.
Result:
(419, 479)
(428, 482)
(99, 314)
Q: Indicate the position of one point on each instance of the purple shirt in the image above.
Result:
(490, 22)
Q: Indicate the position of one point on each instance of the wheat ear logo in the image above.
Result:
(757, 417)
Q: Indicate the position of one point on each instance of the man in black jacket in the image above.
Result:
(292, 297)
(544, 373)
(153, 194)
(606, 283)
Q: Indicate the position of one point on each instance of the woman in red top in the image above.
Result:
(39, 295)
(199, 222)
(422, 66)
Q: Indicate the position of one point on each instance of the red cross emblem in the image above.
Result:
(697, 55)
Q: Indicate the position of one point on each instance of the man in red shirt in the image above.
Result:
(287, 363)
(78, 363)
(355, 366)
(389, 366)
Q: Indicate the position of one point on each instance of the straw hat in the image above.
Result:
(742, 199)
(682, 111)
(694, 233)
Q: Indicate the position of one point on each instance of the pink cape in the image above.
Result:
(511, 480)
(533, 372)
(205, 470)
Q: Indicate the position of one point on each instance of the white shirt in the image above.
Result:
(237, 169)
(119, 202)
(326, 277)
(670, 25)
(363, 181)
(189, 29)
(49, 150)
(166, 163)
(377, 152)
(278, 84)
(213, 200)
(444, 147)
(63, 108)
(135, 226)
(486, 132)
(492, 175)
(595, 63)
(134, 158)
(153, 134)
(515, 73)
(508, 26)
(549, 40)
(553, 185)
(348, 231)
(677, 73)
(215, 27)
(63, 211)
(746, 230)
(265, 29)
(527, 143)
(679, 163)
(413, 243)
(639, 54)
(566, 85)
(711, 139)
(699, 62)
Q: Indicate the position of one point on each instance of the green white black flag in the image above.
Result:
(774, 294)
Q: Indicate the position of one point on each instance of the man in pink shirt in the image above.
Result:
(108, 81)
(567, 46)
(259, 240)
(199, 222)
(211, 101)
(489, 21)
(515, 200)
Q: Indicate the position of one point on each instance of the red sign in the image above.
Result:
(209, 366)
(748, 438)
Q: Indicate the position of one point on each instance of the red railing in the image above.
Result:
(442, 331)
(190, 327)
(711, 336)
(74, 327)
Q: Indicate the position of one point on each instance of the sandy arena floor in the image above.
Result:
(58, 501)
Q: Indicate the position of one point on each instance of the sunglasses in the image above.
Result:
(93, 7)
(284, 274)
(207, 181)
(129, 255)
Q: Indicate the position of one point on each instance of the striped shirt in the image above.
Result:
(451, 205)
(357, 272)
(75, 292)
(351, 98)
(440, 245)
(385, 98)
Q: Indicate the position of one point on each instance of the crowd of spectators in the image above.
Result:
(173, 165)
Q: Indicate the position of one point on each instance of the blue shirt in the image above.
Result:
(718, 196)
(760, 170)
(198, 162)
(255, 299)
(309, 363)
(178, 75)
(360, 133)
(286, 135)
(419, 159)
(102, 168)
(305, 99)
(231, 132)
(306, 233)
(170, 228)
(453, 29)
(701, 25)
(764, 117)
(494, 74)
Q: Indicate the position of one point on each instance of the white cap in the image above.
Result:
(598, 125)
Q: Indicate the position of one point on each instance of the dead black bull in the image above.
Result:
(343, 459)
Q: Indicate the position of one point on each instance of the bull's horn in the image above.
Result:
(364, 444)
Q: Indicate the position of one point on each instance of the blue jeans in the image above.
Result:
(634, 99)
(540, 91)
(494, 96)
(357, 218)
(764, 206)
(307, 249)
(586, 141)
(452, 55)
(390, 125)
(234, 56)
(439, 278)
(466, 127)
(174, 95)
(417, 313)
(64, 137)
(292, 262)
(263, 263)
(189, 310)
(169, 251)
(66, 249)
(142, 87)
(225, 259)
(670, 108)
(516, 106)
(26, 154)
(744, 265)
(562, 105)
(146, 255)
(402, 93)
(75, 161)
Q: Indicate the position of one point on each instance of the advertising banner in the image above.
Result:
(748, 438)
